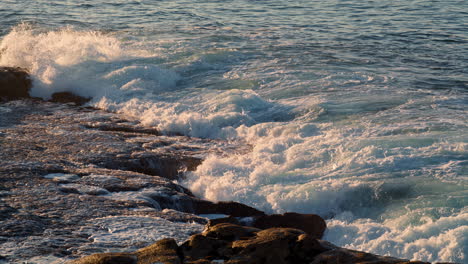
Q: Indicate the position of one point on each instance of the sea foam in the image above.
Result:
(389, 175)
(87, 63)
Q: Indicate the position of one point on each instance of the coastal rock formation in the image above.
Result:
(234, 244)
(312, 224)
(76, 181)
(228, 208)
(65, 183)
(14, 83)
(67, 97)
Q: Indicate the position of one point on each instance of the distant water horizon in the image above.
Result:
(353, 110)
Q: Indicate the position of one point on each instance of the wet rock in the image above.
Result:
(127, 128)
(312, 224)
(268, 246)
(14, 83)
(54, 184)
(240, 244)
(307, 246)
(202, 247)
(227, 208)
(228, 220)
(169, 166)
(230, 232)
(67, 97)
(177, 216)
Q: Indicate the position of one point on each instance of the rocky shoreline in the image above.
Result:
(77, 182)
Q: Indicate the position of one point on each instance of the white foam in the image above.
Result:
(87, 63)
(442, 239)
(374, 171)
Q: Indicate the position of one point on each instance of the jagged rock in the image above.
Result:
(202, 247)
(169, 166)
(312, 224)
(14, 83)
(268, 246)
(230, 220)
(230, 232)
(67, 97)
(227, 208)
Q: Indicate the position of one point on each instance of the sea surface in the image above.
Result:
(354, 110)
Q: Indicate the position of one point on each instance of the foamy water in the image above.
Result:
(354, 111)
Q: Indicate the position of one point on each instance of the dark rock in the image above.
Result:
(230, 232)
(202, 247)
(229, 220)
(312, 224)
(6, 211)
(268, 246)
(115, 127)
(305, 247)
(227, 208)
(21, 227)
(177, 216)
(167, 166)
(68, 97)
(14, 83)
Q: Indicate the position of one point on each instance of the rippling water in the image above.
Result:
(356, 110)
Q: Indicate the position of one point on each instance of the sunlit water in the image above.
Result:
(355, 110)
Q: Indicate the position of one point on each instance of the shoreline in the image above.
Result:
(70, 173)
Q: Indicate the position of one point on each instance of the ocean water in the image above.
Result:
(354, 110)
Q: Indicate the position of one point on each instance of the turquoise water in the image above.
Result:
(355, 110)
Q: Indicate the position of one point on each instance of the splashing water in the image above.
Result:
(362, 123)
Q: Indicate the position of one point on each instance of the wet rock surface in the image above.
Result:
(312, 224)
(70, 185)
(229, 243)
(14, 83)
(67, 97)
